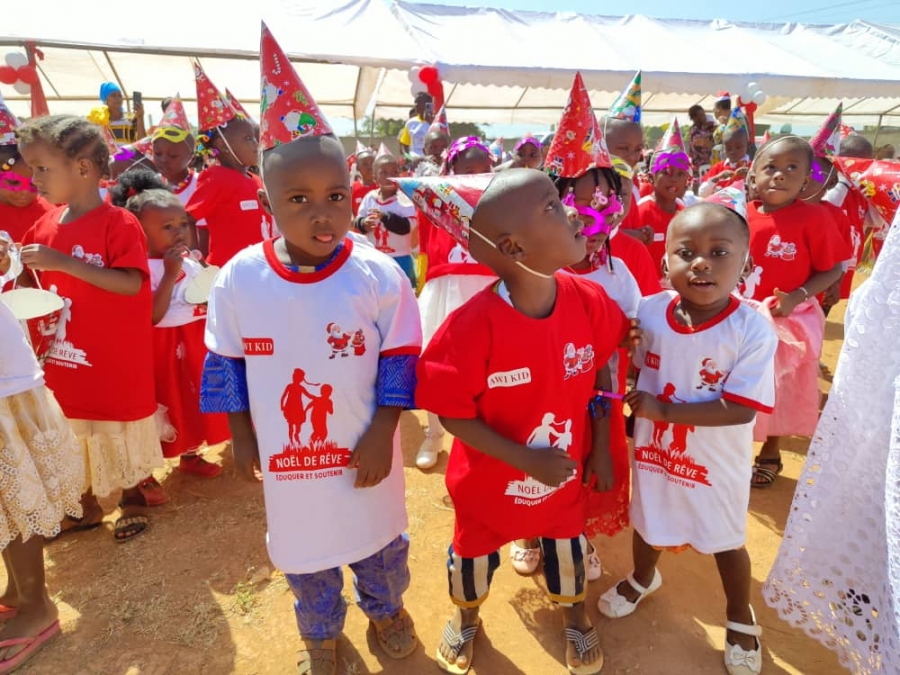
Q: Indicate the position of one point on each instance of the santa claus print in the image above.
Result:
(577, 360)
(781, 249)
(711, 377)
(338, 340)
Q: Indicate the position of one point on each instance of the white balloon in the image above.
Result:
(22, 88)
(752, 88)
(418, 88)
(16, 60)
(413, 74)
(759, 97)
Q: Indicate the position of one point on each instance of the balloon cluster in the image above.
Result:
(755, 94)
(427, 79)
(19, 73)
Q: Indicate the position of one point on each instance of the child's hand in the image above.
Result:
(599, 464)
(173, 260)
(45, 259)
(550, 466)
(635, 335)
(646, 405)
(830, 299)
(785, 305)
(246, 459)
(742, 172)
(373, 456)
(725, 175)
(372, 219)
(646, 234)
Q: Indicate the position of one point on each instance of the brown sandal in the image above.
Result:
(396, 634)
(317, 657)
(767, 476)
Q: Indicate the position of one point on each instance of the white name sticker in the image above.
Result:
(249, 205)
(659, 236)
(510, 378)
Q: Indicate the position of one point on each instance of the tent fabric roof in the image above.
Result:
(498, 66)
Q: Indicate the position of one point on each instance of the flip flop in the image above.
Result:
(32, 646)
(457, 642)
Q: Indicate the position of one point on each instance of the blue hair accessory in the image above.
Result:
(108, 88)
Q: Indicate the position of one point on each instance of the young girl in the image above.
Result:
(43, 477)
(100, 368)
(173, 151)
(706, 365)
(452, 275)
(528, 154)
(799, 254)
(179, 325)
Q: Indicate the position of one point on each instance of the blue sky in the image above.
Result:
(804, 11)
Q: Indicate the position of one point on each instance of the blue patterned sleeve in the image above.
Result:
(223, 388)
(396, 385)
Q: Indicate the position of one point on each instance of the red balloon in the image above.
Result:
(8, 75)
(28, 74)
(429, 75)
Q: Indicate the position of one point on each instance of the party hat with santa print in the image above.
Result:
(213, 109)
(8, 124)
(449, 202)
(877, 180)
(628, 105)
(440, 124)
(827, 140)
(578, 143)
(287, 109)
(733, 197)
(175, 116)
(238, 108)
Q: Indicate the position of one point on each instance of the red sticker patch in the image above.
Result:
(652, 360)
(259, 346)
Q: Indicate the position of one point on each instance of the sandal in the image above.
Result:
(396, 634)
(616, 606)
(195, 465)
(581, 644)
(70, 524)
(318, 657)
(768, 476)
(739, 661)
(152, 492)
(31, 647)
(457, 642)
(128, 526)
(525, 561)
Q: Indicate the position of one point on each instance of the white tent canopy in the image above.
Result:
(498, 66)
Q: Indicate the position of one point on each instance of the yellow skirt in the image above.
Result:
(41, 472)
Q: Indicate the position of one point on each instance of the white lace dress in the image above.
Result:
(837, 574)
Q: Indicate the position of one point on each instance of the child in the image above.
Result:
(734, 167)
(43, 476)
(365, 183)
(706, 367)
(800, 255)
(524, 441)
(321, 431)
(671, 170)
(94, 256)
(452, 276)
(173, 151)
(625, 140)
(527, 154)
(225, 204)
(178, 331)
(388, 218)
(436, 144)
(700, 138)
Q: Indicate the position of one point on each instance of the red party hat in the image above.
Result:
(449, 202)
(213, 109)
(827, 140)
(877, 180)
(8, 125)
(578, 144)
(440, 123)
(110, 140)
(287, 109)
(175, 116)
(144, 146)
(238, 108)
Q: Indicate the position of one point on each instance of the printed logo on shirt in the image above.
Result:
(249, 204)
(577, 360)
(381, 236)
(751, 281)
(63, 353)
(550, 433)
(259, 346)
(652, 360)
(781, 249)
(509, 378)
(94, 259)
(309, 454)
(345, 344)
(667, 452)
(711, 378)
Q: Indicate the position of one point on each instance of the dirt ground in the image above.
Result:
(195, 594)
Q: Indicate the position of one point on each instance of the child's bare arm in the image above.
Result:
(599, 462)
(817, 283)
(719, 413)
(550, 466)
(244, 446)
(122, 281)
(374, 454)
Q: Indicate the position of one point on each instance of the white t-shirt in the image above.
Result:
(185, 195)
(692, 484)
(416, 130)
(395, 245)
(19, 369)
(312, 342)
(180, 312)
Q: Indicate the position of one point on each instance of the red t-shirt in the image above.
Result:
(637, 258)
(631, 220)
(789, 245)
(720, 167)
(444, 255)
(529, 380)
(650, 214)
(17, 221)
(101, 365)
(359, 190)
(226, 203)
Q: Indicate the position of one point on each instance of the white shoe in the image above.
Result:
(524, 560)
(593, 570)
(431, 448)
(616, 606)
(739, 661)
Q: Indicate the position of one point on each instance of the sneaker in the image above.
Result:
(195, 465)
(524, 560)
(593, 569)
(431, 448)
(152, 492)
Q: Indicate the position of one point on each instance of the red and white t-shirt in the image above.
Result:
(692, 483)
(312, 375)
(101, 365)
(788, 246)
(395, 245)
(225, 202)
(529, 380)
(17, 221)
(445, 255)
(180, 311)
(650, 214)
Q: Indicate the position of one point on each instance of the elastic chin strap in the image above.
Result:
(227, 144)
(520, 264)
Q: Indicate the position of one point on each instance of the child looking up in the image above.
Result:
(365, 166)
(314, 394)
(389, 218)
(736, 141)
(706, 368)
(525, 443)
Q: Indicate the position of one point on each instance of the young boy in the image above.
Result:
(387, 218)
(512, 375)
(321, 431)
(365, 165)
(436, 144)
(734, 168)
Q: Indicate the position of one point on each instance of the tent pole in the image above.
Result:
(877, 130)
(372, 127)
